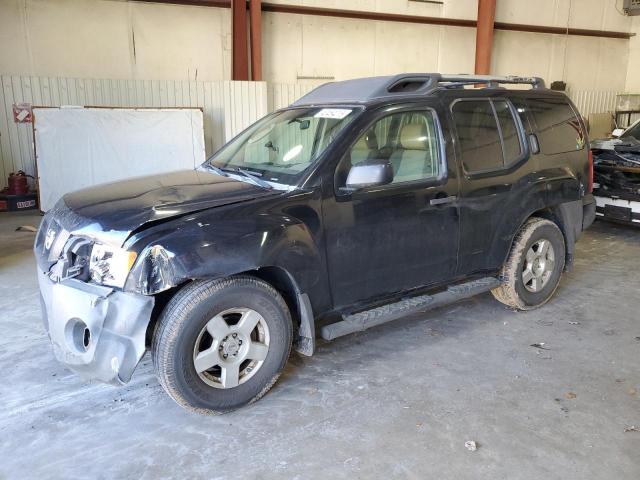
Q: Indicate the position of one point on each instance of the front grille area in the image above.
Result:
(50, 240)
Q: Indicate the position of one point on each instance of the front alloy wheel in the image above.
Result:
(221, 344)
(231, 347)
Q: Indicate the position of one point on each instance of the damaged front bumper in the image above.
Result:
(98, 332)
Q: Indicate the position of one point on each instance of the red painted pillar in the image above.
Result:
(255, 20)
(239, 47)
(484, 36)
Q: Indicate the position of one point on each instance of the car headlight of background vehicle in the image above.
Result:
(110, 265)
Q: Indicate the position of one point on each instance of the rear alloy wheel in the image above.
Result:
(221, 344)
(533, 269)
(539, 265)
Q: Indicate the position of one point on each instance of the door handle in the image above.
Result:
(534, 144)
(443, 200)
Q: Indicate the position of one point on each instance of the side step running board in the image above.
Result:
(377, 316)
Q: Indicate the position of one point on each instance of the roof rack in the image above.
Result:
(362, 90)
(491, 80)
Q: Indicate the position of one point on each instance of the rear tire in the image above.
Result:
(535, 264)
(222, 344)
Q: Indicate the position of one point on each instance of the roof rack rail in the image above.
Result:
(535, 82)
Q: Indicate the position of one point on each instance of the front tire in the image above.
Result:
(535, 264)
(222, 344)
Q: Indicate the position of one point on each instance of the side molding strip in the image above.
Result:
(377, 316)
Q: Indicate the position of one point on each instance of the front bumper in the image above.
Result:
(96, 331)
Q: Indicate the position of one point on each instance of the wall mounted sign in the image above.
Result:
(22, 113)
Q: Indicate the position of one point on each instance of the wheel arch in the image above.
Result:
(284, 283)
(568, 217)
(297, 301)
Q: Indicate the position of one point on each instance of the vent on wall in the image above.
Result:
(631, 7)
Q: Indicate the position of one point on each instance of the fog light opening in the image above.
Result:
(78, 335)
(86, 338)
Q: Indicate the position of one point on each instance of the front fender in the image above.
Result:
(215, 245)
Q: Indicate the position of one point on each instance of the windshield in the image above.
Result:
(633, 131)
(282, 145)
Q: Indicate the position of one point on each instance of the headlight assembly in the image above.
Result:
(110, 265)
(153, 272)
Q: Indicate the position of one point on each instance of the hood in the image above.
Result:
(110, 212)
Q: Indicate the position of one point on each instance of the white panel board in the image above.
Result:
(80, 147)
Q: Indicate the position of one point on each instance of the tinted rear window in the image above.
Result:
(559, 129)
(488, 140)
(510, 136)
(478, 135)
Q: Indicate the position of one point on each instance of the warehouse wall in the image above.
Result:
(114, 39)
(306, 46)
(300, 46)
(583, 62)
(228, 107)
(633, 72)
(128, 40)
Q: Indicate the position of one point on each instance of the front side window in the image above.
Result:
(281, 146)
(409, 141)
(488, 134)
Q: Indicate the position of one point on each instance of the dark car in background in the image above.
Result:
(617, 176)
(362, 202)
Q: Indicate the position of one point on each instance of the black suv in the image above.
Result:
(363, 201)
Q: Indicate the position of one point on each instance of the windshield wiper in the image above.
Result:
(217, 170)
(254, 176)
(249, 175)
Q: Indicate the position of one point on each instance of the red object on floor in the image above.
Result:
(18, 184)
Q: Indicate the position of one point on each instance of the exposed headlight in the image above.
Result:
(110, 265)
(153, 272)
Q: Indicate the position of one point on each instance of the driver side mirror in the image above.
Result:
(368, 175)
(617, 133)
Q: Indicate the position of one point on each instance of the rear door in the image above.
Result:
(387, 239)
(492, 149)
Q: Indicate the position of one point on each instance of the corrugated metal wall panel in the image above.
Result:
(229, 107)
(593, 101)
(283, 94)
(241, 103)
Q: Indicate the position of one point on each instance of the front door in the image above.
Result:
(388, 239)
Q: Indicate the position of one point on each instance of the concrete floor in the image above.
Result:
(395, 402)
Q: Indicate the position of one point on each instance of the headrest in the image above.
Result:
(368, 141)
(413, 136)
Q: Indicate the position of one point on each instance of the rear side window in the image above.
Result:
(510, 135)
(488, 135)
(558, 127)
